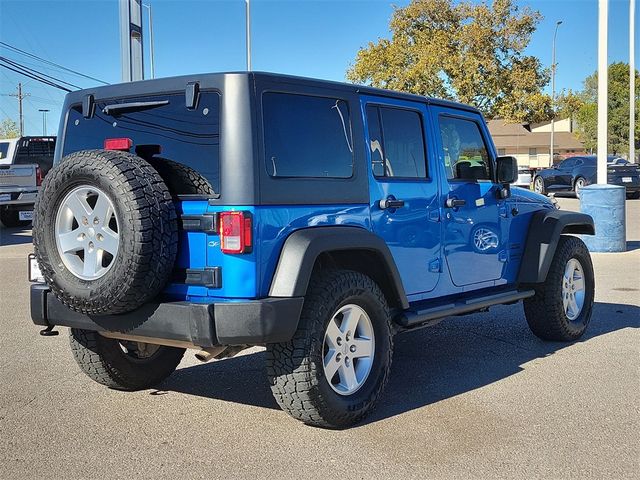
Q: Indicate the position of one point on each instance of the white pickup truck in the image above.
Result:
(23, 163)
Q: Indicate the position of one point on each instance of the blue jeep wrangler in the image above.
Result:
(222, 211)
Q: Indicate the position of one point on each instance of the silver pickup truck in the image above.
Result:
(23, 163)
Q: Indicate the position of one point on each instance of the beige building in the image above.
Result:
(530, 143)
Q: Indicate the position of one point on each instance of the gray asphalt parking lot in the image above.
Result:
(473, 397)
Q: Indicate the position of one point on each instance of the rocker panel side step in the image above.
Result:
(434, 314)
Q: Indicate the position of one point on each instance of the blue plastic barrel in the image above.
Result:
(606, 204)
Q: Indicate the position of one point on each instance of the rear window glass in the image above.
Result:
(307, 136)
(38, 150)
(4, 150)
(188, 137)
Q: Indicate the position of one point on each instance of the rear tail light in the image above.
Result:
(236, 232)
(38, 176)
(117, 144)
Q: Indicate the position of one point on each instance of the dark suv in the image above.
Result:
(318, 219)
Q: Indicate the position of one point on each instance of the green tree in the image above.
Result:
(617, 110)
(9, 129)
(463, 51)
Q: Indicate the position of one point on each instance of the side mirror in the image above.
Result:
(507, 169)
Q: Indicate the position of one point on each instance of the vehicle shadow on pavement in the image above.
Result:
(460, 354)
(14, 236)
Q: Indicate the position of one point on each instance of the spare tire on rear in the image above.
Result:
(105, 231)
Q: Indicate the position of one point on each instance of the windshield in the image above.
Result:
(168, 131)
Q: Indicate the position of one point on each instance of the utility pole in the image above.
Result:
(632, 81)
(20, 96)
(153, 70)
(44, 120)
(603, 94)
(248, 31)
(553, 88)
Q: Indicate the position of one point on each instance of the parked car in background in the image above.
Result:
(23, 163)
(575, 173)
(524, 177)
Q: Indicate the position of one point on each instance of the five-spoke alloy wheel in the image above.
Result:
(86, 230)
(349, 348)
(332, 372)
(561, 308)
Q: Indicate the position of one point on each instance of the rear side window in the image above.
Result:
(307, 136)
(38, 150)
(465, 154)
(396, 142)
(188, 137)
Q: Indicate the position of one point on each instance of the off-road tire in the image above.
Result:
(104, 361)
(147, 223)
(295, 368)
(180, 179)
(11, 219)
(544, 311)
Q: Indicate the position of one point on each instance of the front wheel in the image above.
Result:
(333, 371)
(561, 308)
(538, 185)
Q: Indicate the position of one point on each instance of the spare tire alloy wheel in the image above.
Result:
(105, 232)
(86, 231)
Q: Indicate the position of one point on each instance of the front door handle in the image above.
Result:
(390, 203)
(455, 203)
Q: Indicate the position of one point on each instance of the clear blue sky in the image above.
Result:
(311, 38)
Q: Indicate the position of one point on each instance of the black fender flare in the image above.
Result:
(545, 229)
(302, 248)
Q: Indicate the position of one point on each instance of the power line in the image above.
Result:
(34, 76)
(31, 55)
(33, 70)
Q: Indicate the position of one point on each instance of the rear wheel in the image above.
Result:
(333, 371)
(122, 365)
(561, 308)
(11, 219)
(538, 185)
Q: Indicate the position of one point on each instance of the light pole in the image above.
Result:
(248, 29)
(44, 120)
(153, 70)
(632, 81)
(553, 88)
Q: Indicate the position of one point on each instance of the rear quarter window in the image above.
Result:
(307, 136)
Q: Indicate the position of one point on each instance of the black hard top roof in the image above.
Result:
(176, 83)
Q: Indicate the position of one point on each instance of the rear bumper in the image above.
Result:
(20, 199)
(249, 322)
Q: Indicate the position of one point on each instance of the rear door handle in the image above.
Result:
(455, 203)
(390, 203)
